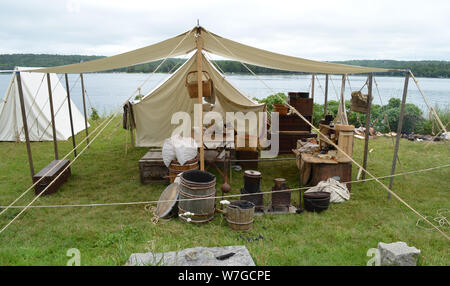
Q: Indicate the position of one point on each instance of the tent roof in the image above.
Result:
(186, 42)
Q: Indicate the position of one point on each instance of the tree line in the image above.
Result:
(437, 69)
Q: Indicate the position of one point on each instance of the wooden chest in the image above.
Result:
(288, 140)
(152, 169)
(247, 155)
(54, 169)
(303, 105)
(294, 123)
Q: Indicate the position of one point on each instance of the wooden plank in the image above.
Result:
(345, 142)
(52, 113)
(399, 131)
(367, 132)
(25, 124)
(70, 116)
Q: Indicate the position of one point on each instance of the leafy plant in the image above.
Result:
(94, 115)
(273, 99)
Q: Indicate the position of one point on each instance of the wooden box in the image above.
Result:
(152, 169)
(247, 155)
(303, 105)
(288, 140)
(294, 123)
(322, 172)
(345, 142)
(54, 169)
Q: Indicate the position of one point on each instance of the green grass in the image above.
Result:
(108, 235)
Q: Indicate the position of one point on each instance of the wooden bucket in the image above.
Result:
(193, 86)
(239, 215)
(175, 168)
(197, 192)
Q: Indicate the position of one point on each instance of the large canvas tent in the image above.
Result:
(153, 113)
(37, 107)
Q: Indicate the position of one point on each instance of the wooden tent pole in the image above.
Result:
(83, 91)
(52, 114)
(25, 124)
(367, 133)
(200, 98)
(326, 96)
(399, 131)
(70, 115)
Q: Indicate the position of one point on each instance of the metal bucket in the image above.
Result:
(252, 180)
(197, 192)
(239, 215)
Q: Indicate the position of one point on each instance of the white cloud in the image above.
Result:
(322, 30)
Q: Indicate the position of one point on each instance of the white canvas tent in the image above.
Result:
(153, 113)
(36, 101)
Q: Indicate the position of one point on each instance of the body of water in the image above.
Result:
(107, 91)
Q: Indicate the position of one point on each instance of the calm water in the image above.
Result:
(107, 91)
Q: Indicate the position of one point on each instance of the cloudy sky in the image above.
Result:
(320, 30)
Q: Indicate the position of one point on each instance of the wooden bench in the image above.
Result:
(53, 172)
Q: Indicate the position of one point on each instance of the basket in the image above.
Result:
(359, 102)
(193, 86)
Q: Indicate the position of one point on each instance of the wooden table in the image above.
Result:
(314, 169)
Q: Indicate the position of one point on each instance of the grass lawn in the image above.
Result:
(107, 235)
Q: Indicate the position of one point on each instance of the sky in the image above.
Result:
(319, 30)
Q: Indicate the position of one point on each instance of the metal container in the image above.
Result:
(197, 192)
(239, 215)
(281, 200)
(252, 180)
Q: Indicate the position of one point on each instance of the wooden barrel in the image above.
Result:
(175, 168)
(239, 215)
(197, 192)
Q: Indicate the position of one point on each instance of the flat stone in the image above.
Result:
(198, 256)
(398, 254)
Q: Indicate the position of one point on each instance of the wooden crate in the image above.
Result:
(53, 172)
(152, 169)
(345, 142)
(322, 172)
(303, 105)
(293, 123)
(288, 140)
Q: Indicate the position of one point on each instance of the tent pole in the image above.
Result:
(52, 113)
(84, 109)
(200, 98)
(70, 116)
(326, 96)
(25, 124)
(312, 86)
(399, 131)
(367, 133)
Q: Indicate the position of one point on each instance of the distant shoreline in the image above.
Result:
(429, 69)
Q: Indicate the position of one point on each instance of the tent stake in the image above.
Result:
(25, 124)
(326, 96)
(52, 113)
(399, 131)
(84, 108)
(367, 133)
(200, 98)
(70, 116)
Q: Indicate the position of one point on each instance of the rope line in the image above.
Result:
(101, 130)
(356, 163)
(227, 196)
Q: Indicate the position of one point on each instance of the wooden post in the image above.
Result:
(70, 116)
(52, 114)
(326, 96)
(84, 109)
(399, 131)
(25, 124)
(367, 133)
(200, 97)
(312, 86)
